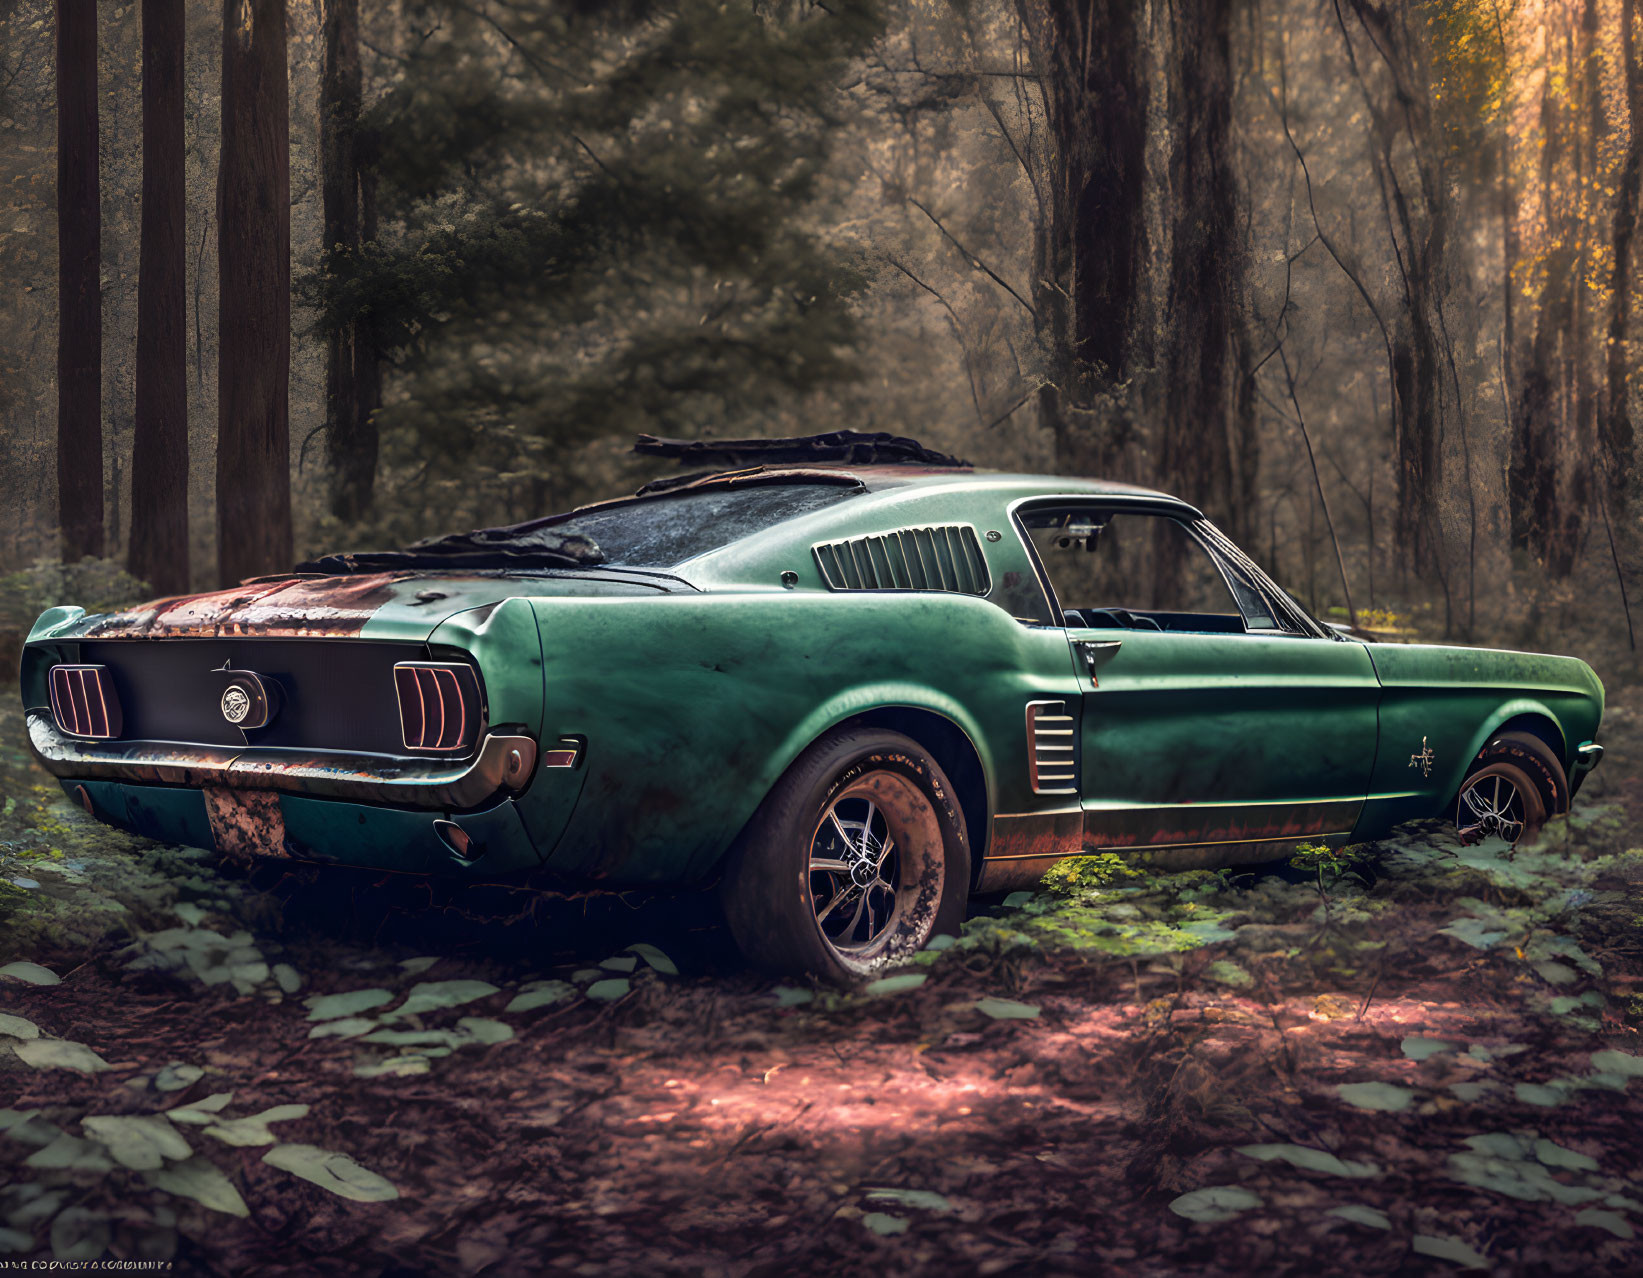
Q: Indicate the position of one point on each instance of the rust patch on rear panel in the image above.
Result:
(245, 823)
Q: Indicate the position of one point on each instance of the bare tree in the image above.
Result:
(1089, 276)
(1549, 482)
(254, 316)
(1208, 402)
(79, 288)
(1618, 438)
(352, 376)
(1419, 216)
(159, 456)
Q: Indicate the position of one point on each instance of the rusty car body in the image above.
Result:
(623, 689)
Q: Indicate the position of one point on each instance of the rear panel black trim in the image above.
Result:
(335, 694)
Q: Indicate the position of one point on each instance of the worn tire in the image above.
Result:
(1525, 762)
(771, 895)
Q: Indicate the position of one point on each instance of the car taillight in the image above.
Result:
(83, 701)
(438, 706)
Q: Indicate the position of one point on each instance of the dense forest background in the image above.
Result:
(1358, 278)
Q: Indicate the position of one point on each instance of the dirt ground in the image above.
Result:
(1421, 1058)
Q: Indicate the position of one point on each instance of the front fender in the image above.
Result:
(1520, 708)
(1439, 707)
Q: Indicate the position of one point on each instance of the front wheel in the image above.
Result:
(1516, 782)
(855, 859)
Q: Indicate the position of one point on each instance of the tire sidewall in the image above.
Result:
(766, 892)
(1531, 757)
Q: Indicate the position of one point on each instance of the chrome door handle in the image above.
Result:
(1096, 653)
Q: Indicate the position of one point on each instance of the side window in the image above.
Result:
(1115, 568)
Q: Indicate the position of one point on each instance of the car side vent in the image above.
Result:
(439, 709)
(83, 701)
(946, 558)
(1050, 748)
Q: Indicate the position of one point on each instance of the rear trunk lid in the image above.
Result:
(388, 606)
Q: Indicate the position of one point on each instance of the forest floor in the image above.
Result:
(1418, 1057)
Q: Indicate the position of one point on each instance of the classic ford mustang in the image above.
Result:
(853, 680)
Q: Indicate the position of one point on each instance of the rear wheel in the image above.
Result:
(856, 858)
(1515, 783)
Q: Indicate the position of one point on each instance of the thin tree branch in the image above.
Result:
(958, 333)
(1317, 479)
(971, 258)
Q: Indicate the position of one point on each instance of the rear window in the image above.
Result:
(666, 531)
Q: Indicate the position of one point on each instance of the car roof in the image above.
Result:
(885, 478)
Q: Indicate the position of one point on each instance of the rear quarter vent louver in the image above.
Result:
(439, 706)
(946, 558)
(1052, 756)
(83, 701)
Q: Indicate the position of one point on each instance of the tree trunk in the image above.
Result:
(351, 364)
(1417, 386)
(1201, 378)
(159, 455)
(254, 315)
(79, 287)
(1089, 285)
(1554, 435)
(1418, 219)
(1618, 438)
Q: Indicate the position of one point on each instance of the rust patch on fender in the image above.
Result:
(245, 823)
(1025, 844)
(291, 607)
(1141, 828)
(1037, 834)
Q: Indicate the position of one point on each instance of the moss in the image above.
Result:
(1079, 874)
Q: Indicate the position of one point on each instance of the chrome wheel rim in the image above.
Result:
(1490, 804)
(855, 873)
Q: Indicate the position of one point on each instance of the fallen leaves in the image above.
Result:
(1216, 1204)
(1005, 1009)
(336, 1173)
(200, 1180)
(253, 1129)
(1304, 1156)
(433, 995)
(141, 1142)
(535, 994)
(201, 1112)
(59, 1053)
(331, 1007)
(1375, 1095)
(29, 974)
(901, 983)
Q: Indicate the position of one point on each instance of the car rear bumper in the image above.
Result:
(503, 763)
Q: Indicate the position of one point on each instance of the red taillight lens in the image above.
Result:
(438, 706)
(83, 701)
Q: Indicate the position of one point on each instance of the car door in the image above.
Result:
(1209, 718)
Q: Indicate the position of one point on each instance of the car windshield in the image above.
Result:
(665, 531)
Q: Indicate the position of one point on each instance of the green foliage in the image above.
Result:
(97, 585)
(1331, 865)
(592, 224)
(1075, 875)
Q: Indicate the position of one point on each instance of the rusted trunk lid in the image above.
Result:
(385, 606)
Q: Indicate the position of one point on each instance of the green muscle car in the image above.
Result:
(853, 688)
